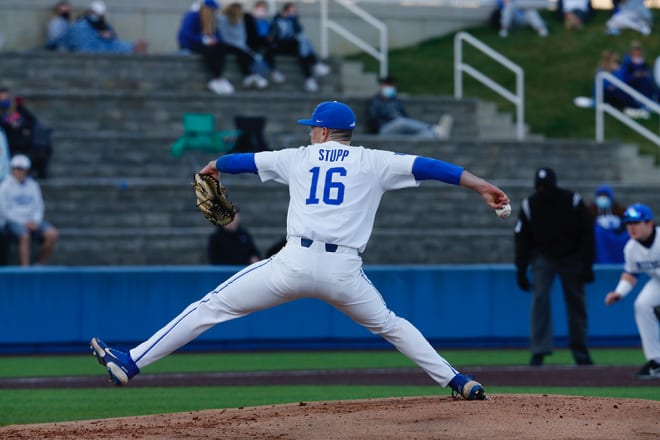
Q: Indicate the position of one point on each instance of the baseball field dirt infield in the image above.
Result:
(503, 416)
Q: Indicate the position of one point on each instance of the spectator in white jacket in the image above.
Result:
(22, 207)
(630, 14)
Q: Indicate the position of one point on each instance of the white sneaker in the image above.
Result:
(636, 113)
(311, 85)
(277, 77)
(255, 80)
(321, 69)
(221, 86)
(543, 32)
(261, 82)
(443, 128)
(504, 33)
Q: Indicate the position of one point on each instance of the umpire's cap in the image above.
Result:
(637, 212)
(545, 177)
(331, 114)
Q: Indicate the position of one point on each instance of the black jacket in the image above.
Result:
(555, 224)
(231, 247)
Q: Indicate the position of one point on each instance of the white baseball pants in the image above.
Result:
(647, 322)
(298, 272)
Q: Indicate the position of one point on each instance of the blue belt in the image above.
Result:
(307, 242)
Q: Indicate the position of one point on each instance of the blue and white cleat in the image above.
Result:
(119, 364)
(467, 388)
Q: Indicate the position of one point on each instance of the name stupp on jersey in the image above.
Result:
(334, 155)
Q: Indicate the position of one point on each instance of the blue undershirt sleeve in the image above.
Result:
(425, 168)
(236, 163)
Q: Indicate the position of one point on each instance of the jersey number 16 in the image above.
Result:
(333, 191)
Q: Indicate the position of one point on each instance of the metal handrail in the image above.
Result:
(517, 98)
(602, 107)
(327, 23)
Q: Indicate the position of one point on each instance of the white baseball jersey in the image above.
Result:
(333, 197)
(640, 259)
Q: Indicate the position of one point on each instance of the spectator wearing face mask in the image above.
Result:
(58, 26)
(93, 33)
(637, 73)
(609, 231)
(388, 116)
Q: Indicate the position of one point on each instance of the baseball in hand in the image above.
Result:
(504, 211)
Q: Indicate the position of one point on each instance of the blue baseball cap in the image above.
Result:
(331, 114)
(637, 213)
(211, 3)
(605, 190)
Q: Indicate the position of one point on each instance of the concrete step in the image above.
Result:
(162, 112)
(49, 71)
(119, 155)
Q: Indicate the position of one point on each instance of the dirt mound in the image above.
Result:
(503, 416)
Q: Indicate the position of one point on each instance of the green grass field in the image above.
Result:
(51, 405)
(557, 69)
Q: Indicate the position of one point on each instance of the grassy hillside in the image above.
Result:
(557, 69)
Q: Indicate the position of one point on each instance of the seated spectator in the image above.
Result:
(387, 115)
(512, 14)
(232, 245)
(575, 13)
(93, 33)
(25, 133)
(288, 38)
(199, 34)
(257, 24)
(609, 231)
(234, 35)
(637, 73)
(22, 207)
(58, 26)
(630, 14)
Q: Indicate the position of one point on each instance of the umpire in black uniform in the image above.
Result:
(555, 234)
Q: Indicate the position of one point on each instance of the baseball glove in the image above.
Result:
(212, 200)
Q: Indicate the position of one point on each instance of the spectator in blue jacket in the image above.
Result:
(609, 231)
(288, 38)
(637, 73)
(612, 94)
(199, 34)
(93, 33)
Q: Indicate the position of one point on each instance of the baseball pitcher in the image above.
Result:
(335, 189)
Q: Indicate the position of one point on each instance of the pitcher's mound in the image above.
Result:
(503, 416)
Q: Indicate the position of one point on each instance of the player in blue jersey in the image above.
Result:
(335, 190)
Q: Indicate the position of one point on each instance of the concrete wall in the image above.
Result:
(23, 22)
(48, 309)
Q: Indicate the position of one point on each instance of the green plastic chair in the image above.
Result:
(199, 134)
